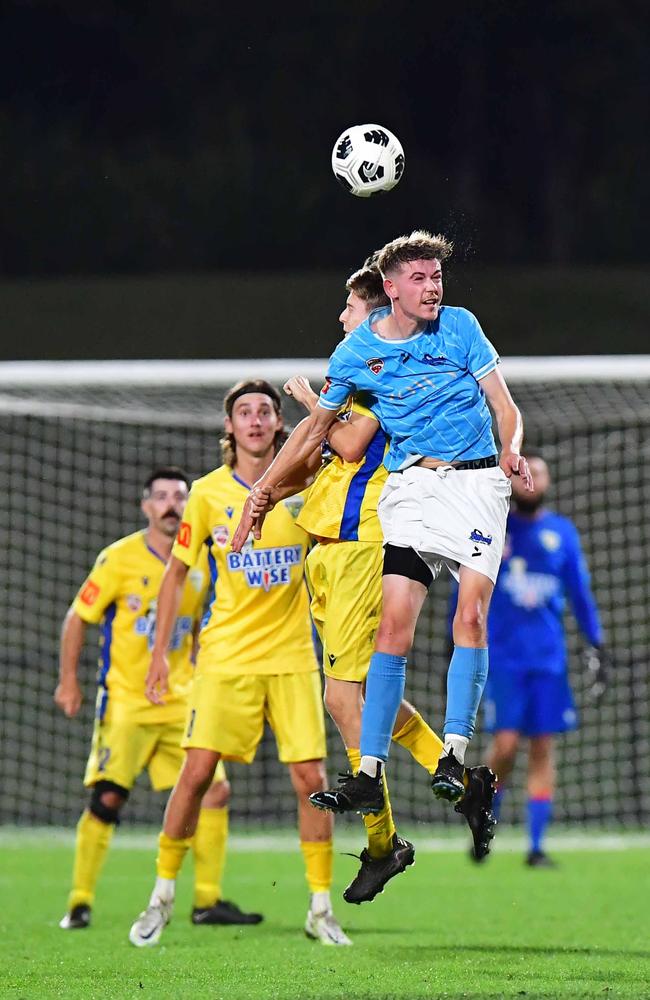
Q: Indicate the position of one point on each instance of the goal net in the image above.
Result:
(79, 439)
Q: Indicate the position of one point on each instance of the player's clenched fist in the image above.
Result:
(68, 698)
(157, 680)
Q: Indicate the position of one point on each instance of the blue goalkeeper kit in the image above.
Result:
(425, 390)
(542, 567)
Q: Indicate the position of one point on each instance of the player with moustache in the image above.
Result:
(433, 373)
(131, 734)
(528, 694)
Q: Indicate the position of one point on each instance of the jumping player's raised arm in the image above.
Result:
(298, 447)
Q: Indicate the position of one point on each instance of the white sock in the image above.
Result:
(320, 902)
(372, 766)
(456, 743)
(164, 891)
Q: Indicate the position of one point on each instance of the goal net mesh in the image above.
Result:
(74, 458)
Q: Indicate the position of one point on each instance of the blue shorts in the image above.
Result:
(533, 703)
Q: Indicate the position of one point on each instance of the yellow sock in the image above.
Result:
(170, 855)
(318, 855)
(93, 838)
(209, 850)
(380, 828)
(420, 741)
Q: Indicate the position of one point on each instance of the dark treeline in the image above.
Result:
(193, 135)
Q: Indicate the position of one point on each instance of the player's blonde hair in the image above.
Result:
(368, 284)
(419, 245)
(228, 443)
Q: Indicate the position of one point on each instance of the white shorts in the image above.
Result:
(457, 516)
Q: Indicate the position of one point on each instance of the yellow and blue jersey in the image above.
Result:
(426, 388)
(120, 595)
(342, 501)
(258, 620)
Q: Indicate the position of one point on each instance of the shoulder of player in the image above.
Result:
(211, 481)
(458, 319)
(122, 546)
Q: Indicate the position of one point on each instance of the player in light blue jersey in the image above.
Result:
(432, 373)
(528, 692)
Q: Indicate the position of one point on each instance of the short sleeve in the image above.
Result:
(482, 358)
(192, 531)
(339, 383)
(99, 590)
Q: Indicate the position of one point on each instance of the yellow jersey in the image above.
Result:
(120, 595)
(258, 620)
(342, 501)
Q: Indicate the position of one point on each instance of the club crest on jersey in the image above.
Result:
(479, 537)
(375, 365)
(294, 505)
(550, 540)
(266, 568)
(134, 603)
(221, 535)
(229, 512)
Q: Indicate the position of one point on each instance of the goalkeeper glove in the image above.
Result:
(596, 663)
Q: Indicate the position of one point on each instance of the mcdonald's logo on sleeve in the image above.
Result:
(184, 536)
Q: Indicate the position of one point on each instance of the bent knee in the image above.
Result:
(217, 795)
(308, 776)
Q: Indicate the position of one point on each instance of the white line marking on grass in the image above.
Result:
(287, 841)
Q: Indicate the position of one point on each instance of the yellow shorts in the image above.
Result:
(122, 748)
(227, 714)
(344, 580)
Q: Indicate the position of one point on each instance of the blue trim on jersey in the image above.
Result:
(105, 659)
(241, 482)
(349, 531)
(214, 576)
(153, 551)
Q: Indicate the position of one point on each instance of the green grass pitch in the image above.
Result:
(444, 929)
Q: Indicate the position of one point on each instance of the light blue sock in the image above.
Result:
(384, 693)
(466, 679)
(539, 816)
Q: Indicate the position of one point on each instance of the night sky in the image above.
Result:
(187, 136)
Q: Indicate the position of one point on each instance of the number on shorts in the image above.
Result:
(104, 755)
(190, 726)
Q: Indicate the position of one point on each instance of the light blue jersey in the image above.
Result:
(426, 389)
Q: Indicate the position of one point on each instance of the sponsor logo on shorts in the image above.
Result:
(480, 538)
(184, 536)
(266, 568)
(375, 365)
(90, 593)
(331, 657)
(221, 535)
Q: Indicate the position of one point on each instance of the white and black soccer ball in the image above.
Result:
(367, 159)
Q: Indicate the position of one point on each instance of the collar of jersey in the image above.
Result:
(384, 311)
(240, 481)
(153, 551)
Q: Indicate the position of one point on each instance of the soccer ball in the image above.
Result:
(367, 159)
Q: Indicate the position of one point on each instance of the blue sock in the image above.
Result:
(539, 816)
(466, 679)
(498, 801)
(384, 693)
